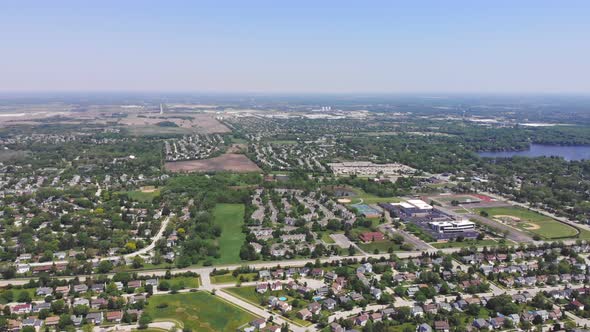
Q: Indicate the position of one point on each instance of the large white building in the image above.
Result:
(420, 204)
(455, 226)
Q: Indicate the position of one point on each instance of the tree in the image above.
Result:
(144, 321)
(351, 250)
(105, 266)
(81, 310)
(137, 262)
(24, 296)
(59, 307)
(65, 320)
(164, 285)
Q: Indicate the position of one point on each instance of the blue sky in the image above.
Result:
(296, 46)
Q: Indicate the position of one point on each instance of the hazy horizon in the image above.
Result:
(333, 47)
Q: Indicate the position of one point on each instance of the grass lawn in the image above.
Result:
(326, 238)
(199, 311)
(231, 218)
(247, 293)
(402, 327)
(382, 246)
(16, 293)
(141, 196)
(584, 234)
(466, 243)
(419, 232)
(367, 198)
(534, 222)
(186, 282)
(229, 278)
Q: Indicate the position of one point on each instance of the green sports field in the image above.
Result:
(231, 218)
(142, 196)
(198, 311)
(533, 222)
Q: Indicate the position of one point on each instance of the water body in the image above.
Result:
(572, 152)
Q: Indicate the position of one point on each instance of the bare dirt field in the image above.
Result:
(227, 162)
(185, 122)
(139, 120)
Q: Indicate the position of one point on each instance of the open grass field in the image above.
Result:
(185, 282)
(142, 196)
(462, 199)
(231, 218)
(531, 222)
(367, 198)
(229, 278)
(247, 293)
(229, 162)
(327, 239)
(199, 311)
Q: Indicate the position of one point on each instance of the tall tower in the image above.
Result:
(161, 109)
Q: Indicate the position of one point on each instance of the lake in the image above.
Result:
(572, 152)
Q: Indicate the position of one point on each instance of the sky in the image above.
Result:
(524, 46)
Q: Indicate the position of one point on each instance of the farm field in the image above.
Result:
(230, 217)
(199, 311)
(531, 222)
(184, 123)
(227, 162)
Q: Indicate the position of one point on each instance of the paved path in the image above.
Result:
(151, 246)
(579, 320)
(134, 327)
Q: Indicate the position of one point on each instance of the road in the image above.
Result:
(151, 246)
(264, 265)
